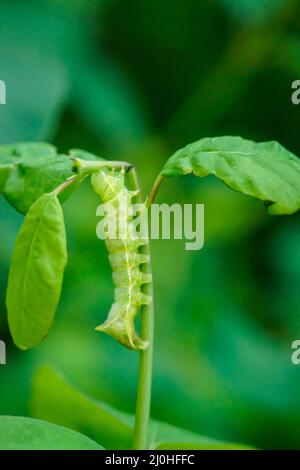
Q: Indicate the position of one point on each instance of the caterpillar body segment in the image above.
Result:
(125, 259)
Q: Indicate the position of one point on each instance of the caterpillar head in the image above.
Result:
(108, 183)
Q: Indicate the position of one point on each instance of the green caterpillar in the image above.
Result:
(125, 260)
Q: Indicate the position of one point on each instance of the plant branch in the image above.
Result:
(65, 185)
(143, 402)
(154, 191)
(85, 167)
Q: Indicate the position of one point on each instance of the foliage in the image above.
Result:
(159, 78)
(29, 171)
(265, 170)
(56, 401)
(36, 272)
(39, 260)
(55, 71)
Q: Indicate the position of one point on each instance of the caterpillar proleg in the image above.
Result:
(125, 260)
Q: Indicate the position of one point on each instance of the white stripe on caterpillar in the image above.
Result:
(125, 261)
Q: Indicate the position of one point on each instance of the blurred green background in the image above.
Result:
(136, 80)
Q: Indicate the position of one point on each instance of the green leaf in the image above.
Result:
(167, 437)
(264, 170)
(36, 272)
(56, 401)
(17, 433)
(42, 81)
(37, 169)
(84, 155)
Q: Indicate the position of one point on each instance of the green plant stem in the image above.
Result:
(86, 168)
(154, 190)
(143, 402)
(65, 185)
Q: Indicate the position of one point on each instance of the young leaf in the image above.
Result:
(36, 272)
(54, 400)
(18, 433)
(35, 169)
(264, 170)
